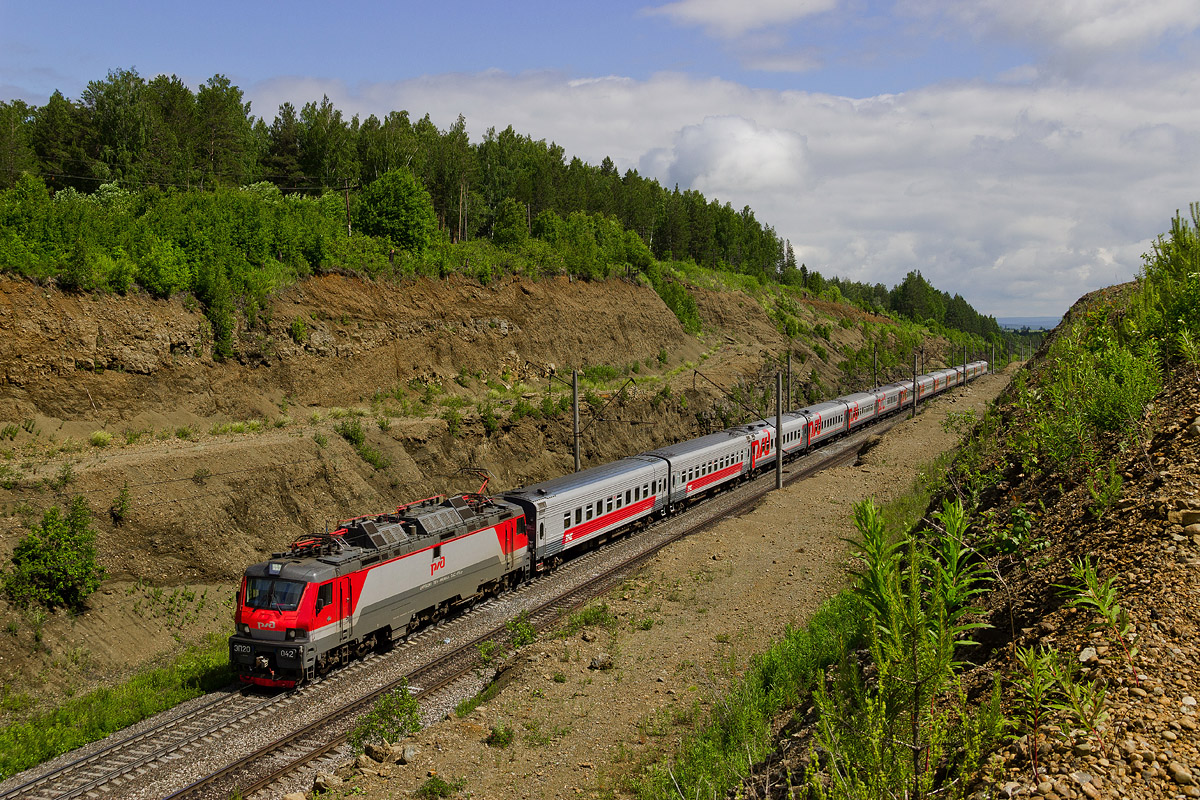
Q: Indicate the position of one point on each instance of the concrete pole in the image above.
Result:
(789, 380)
(575, 413)
(778, 430)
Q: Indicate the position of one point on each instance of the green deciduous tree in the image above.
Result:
(58, 144)
(118, 125)
(398, 207)
(281, 165)
(225, 140)
(509, 229)
(171, 149)
(55, 563)
(16, 151)
(327, 151)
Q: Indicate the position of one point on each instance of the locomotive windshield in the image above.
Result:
(273, 593)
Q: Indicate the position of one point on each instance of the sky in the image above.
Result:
(1017, 152)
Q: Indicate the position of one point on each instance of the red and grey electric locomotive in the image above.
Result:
(375, 579)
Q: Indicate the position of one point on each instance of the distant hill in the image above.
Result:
(1033, 323)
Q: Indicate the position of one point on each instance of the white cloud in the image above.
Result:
(780, 61)
(1071, 34)
(723, 19)
(726, 155)
(1019, 197)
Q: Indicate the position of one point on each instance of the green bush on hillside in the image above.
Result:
(55, 563)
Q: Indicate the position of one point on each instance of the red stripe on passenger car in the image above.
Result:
(706, 480)
(605, 520)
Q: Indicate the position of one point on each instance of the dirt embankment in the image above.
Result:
(225, 462)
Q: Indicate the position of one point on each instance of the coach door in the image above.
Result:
(345, 605)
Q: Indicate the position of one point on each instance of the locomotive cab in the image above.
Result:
(279, 605)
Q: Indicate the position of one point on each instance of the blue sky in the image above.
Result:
(1018, 152)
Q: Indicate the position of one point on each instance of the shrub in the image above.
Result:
(100, 438)
(55, 563)
(600, 373)
(351, 430)
(681, 302)
(397, 206)
(298, 331)
(487, 415)
(373, 457)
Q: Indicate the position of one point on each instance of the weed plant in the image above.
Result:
(593, 616)
(453, 421)
(500, 736)
(1105, 489)
(1050, 701)
(739, 727)
(394, 715)
(520, 630)
(895, 735)
(471, 703)
(1033, 688)
(1100, 597)
(119, 510)
(437, 786)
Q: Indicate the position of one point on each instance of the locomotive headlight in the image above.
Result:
(245, 629)
(296, 633)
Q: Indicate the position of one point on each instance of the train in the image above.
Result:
(376, 579)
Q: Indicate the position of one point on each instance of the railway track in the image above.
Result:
(118, 761)
(117, 767)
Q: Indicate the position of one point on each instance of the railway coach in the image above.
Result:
(892, 398)
(826, 420)
(588, 507)
(699, 467)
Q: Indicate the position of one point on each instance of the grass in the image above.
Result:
(202, 668)
(593, 616)
(714, 756)
(471, 703)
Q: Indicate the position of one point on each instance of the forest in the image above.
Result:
(147, 183)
